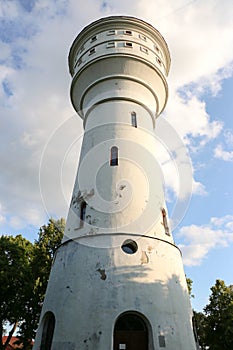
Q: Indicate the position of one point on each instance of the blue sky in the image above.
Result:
(41, 136)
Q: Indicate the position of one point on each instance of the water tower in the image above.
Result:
(117, 281)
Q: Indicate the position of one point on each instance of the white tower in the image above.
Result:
(117, 281)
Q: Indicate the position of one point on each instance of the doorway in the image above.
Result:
(130, 333)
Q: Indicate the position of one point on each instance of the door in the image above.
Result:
(130, 333)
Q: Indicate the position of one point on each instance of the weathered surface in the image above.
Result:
(117, 256)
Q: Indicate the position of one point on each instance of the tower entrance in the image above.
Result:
(130, 333)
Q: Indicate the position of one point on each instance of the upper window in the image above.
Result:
(143, 37)
(94, 38)
(110, 44)
(114, 156)
(134, 119)
(128, 44)
(111, 32)
(92, 51)
(128, 32)
(143, 49)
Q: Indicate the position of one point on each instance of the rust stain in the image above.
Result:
(102, 274)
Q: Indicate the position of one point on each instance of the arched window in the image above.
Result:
(83, 206)
(114, 156)
(134, 119)
(130, 332)
(48, 330)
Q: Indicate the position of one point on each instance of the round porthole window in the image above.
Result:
(129, 246)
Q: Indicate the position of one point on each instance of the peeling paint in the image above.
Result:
(102, 274)
(144, 258)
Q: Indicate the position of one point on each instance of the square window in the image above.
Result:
(94, 38)
(128, 44)
(111, 32)
(110, 44)
(128, 32)
(92, 51)
(144, 49)
(143, 37)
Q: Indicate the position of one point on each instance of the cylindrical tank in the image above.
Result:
(117, 281)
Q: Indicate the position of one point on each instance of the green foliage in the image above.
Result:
(24, 273)
(199, 320)
(215, 325)
(189, 285)
(15, 259)
(219, 317)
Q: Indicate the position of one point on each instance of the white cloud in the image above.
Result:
(35, 63)
(220, 153)
(197, 241)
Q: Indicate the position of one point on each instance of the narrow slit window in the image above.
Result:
(82, 213)
(134, 119)
(165, 222)
(114, 156)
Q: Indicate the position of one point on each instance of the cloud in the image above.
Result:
(34, 93)
(220, 153)
(197, 241)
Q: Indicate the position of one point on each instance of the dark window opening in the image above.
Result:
(114, 156)
(128, 44)
(94, 38)
(91, 51)
(134, 119)
(129, 246)
(47, 332)
(82, 213)
(159, 61)
(165, 223)
(128, 32)
(111, 32)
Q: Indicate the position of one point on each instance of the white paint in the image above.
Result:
(93, 281)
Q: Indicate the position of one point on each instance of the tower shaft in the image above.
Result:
(117, 281)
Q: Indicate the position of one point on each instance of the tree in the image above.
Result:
(24, 273)
(15, 281)
(219, 317)
(199, 320)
